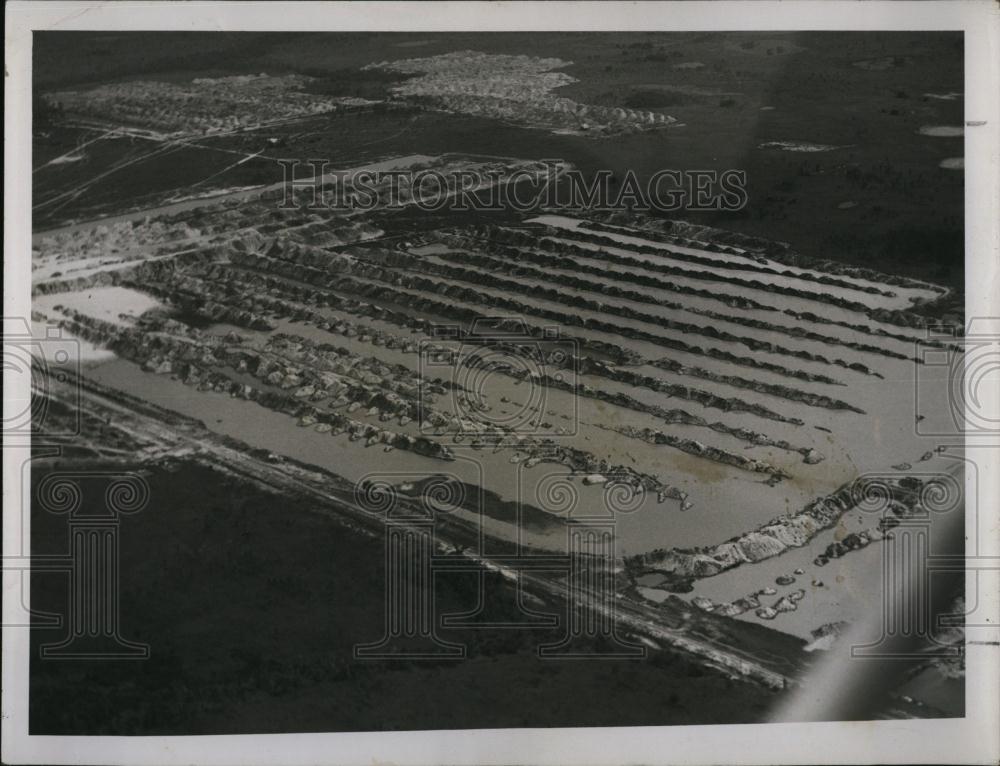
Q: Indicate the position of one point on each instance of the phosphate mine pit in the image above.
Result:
(706, 388)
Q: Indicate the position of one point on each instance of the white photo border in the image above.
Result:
(973, 739)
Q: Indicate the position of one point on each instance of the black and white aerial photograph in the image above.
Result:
(436, 381)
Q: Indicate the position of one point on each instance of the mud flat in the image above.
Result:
(118, 305)
(798, 146)
(797, 563)
(942, 131)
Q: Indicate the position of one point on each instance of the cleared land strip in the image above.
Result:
(638, 274)
(537, 276)
(413, 293)
(594, 264)
(757, 250)
(415, 279)
(229, 302)
(388, 291)
(230, 286)
(312, 381)
(559, 244)
(669, 253)
(581, 247)
(840, 308)
(522, 246)
(737, 303)
(604, 350)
